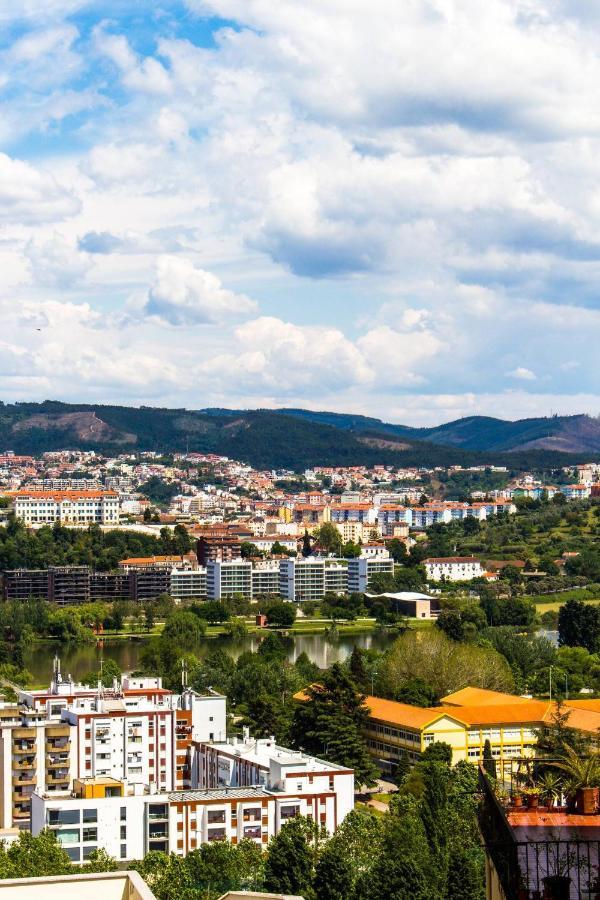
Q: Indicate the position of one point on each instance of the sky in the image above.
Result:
(389, 208)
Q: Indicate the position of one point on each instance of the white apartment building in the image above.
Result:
(68, 507)
(362, 570)
(228, 577)
(311, 578)
(136, 731)
(453, 568)
(188, 584)
(265, 578)
(246, 790)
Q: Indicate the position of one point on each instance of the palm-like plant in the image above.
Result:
(551, 786)
(580, 771)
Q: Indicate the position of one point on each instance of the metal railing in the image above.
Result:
(552, 867)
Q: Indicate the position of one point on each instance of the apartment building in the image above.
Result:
(244, 790)
(137, 731)
(228, 577)
(362, 570)
(310, 578)
(265, 578)
(453, 568)
(218, 549)
(67, 507)
(364, 513)
(188, 584)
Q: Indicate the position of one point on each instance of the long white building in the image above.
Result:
(68, 507)
(245, 790)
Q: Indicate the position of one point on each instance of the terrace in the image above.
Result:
(541, 835)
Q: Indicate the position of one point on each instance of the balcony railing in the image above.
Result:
(552, 867)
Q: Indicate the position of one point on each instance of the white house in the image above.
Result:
(453, 568)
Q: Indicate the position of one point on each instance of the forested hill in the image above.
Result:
(568, 434)
(262, 438)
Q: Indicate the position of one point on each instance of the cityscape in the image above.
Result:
(299, 450)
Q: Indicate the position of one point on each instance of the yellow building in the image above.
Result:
(465, 720)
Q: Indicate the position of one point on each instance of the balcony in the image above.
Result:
(57, 746)
(57, 731)
(24, 734)
(24, 779)
(23, 747)
(20, 813)
(551, 852)
(54, 762)
(58, 777)
(25, 763)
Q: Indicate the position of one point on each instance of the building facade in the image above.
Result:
(67, 507)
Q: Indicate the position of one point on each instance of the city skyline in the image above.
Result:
(389, 211)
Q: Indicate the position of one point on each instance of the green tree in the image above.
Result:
(438, 751)
(306, 547)
(34, 857)
(331, 723)
(289, 866)
(434, 815)
(282, 615)
(329, 538)
(333, 874)
(489, 763)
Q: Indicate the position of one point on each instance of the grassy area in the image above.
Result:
(555, 605)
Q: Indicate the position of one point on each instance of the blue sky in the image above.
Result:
(389, 208)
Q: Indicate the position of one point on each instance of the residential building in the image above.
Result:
(228, 577)
(218, 549)
(136, 563)
(265, 578)
(188, 584)
(246, 790)
(310, 578)
(67, 507)
(137, 731)
(362, 569)
(453, 568)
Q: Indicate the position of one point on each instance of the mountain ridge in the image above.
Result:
(295, 438)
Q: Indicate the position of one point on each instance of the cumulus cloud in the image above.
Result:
(182, 294)
(30, 195)
(522, 373)
(56, 262)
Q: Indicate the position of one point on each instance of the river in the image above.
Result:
(79, 659)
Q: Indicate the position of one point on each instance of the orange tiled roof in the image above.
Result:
(474, 696)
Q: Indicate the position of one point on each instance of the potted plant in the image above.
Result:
(550, 785)
(532, 795)
(517, 801)
(582, 779)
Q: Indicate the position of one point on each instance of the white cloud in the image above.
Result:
(56, 262)
(522, 373)
(29, 195)
(182, 294)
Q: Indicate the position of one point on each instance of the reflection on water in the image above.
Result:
(79, 659)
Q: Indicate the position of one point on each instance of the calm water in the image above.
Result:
(79, 659)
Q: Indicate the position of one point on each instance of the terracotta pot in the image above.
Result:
(533, 801)
(557, 887)
(517, 801)
(586, 800)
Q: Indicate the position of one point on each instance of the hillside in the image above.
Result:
(292, 439)
(568, 434)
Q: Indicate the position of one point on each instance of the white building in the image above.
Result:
(362, 570)
(68, 507)
(453, 568)
(228, 577)
(265, 578)
(188, 584)
(310, 578)
(246, 790)
(137, 731)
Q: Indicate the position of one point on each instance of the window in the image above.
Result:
(216, 834)
(123, 813)
(63, 817)
(216, 815)
(74, 853)
(252, 813)
(90, 834)
(87, 851)
(288, 812)
(123, 832)
(68, 835)
(252, 831)
(123, 851)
